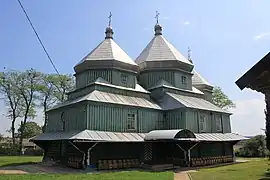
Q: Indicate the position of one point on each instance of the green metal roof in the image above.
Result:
(174, 101)
(106, 136)
(105, 97)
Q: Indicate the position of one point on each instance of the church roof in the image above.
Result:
(174, 101)
(197, 79)
(107, 54)
(160, 50)
(111, 98)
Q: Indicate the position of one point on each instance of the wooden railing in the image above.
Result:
(211, 160)
(118, 164)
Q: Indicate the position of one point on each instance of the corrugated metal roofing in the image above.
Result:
(106, 136)
(108, 50)
(100, 96)
(163, 83)
(159, 49)
(165, 134)
(219, 137)
(194, 102)
(197, 79)
(91, 136)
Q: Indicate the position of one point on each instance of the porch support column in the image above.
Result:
(189, 161)
(88, 153)
(185, 152)
(83, 165)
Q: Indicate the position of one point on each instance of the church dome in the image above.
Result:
(160, 54)
(107, 55)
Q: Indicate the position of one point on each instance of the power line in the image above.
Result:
(38, 37)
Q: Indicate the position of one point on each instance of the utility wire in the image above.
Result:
(38, 37)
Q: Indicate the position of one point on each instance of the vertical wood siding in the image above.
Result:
(192, 121)
(109, 117)
(178, 80)
(175, 119)
(74, 116)
(150, 79)
(112, 76)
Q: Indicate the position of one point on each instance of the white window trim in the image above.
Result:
(135, 121)
(202, 125)
(219, 123)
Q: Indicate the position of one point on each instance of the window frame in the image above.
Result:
(202, 124)
(131, 117)
(184, 80)
(124, 78)
(218, 120)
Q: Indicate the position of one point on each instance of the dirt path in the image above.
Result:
(181, 176)
(12, 172)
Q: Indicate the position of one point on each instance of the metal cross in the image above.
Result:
(157, 14)
(110, 19)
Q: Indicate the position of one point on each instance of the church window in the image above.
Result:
(202, 123)
(219, 123)
(131, 124)
(184, 79)
(124, 78)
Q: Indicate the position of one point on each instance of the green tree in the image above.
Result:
(12, 97)
(63, 83)
(53, 90)
(254, 147)
(28, 86)
(31, 129)
(221, 100)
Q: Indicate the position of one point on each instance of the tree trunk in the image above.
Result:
(45, 119)
(267, 118)
(13, 130)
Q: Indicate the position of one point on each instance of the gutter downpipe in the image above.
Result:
(88, 153)
(189, 153)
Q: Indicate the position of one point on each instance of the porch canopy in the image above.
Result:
(155, 135)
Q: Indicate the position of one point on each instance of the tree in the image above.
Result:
(254, 147)
(63, 84)
(12, 97)
(31, 129)
(221, 100)
(28, 87)
(53, 89)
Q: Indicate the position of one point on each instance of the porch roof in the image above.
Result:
(105, 136)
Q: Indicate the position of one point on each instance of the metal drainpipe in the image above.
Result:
(189, 153)
(88, 153)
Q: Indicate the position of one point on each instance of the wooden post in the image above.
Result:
(267, 118)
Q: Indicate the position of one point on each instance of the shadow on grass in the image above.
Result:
(266, 175)
(17, 164)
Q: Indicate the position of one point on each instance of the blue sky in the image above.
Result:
(226, 39)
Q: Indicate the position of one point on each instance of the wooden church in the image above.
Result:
(155, 110)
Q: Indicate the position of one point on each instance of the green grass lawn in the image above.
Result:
(256, 169)
(14, 160)
(125, 175)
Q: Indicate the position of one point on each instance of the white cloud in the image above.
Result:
(248, 117)
(262, 35)
(186, 23)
